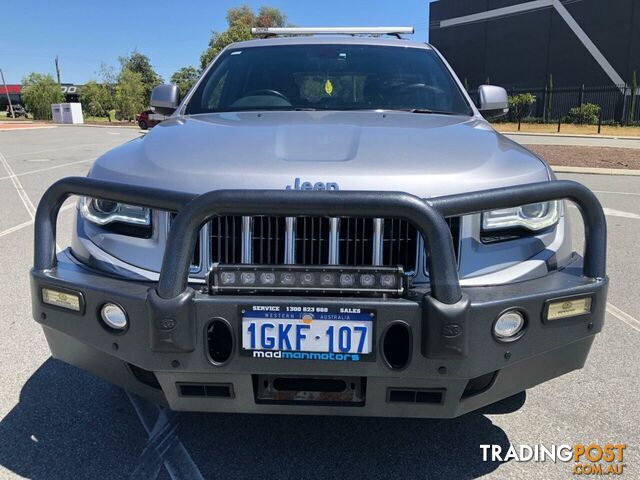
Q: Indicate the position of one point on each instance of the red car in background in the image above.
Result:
(149, 118)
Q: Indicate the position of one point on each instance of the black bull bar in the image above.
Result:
(428, 216)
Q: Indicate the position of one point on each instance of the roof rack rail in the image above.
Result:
(274, 31)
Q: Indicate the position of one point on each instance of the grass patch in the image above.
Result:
(568, 128)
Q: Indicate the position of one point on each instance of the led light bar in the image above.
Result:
(331, 30)
(322, 279)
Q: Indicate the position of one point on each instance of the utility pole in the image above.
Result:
(6, 90)
(57, 70)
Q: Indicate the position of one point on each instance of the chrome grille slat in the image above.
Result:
(290, 241)
(378, 237)
(247, 235)
(334, 238)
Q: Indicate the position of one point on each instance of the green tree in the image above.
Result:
(130, 94)
(39, 92)
(96, 99)
(185, 78)
(240, 21)
(140, 63)
(520, 105)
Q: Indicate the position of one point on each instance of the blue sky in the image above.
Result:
(84, 33)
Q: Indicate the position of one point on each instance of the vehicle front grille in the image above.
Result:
(349, 241)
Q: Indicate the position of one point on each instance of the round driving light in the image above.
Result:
(508, 325)
(227, 278)
(388, 280)
(367, 280)
(248, 278)
(287, 278)
(114, 316)
(307, 278)
(327, 279)
(267, 278)
(347, 279)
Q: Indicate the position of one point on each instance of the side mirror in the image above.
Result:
(493, 101)
(165, 99)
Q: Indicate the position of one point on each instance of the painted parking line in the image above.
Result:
(26, 201)
(611, 212)
(30, 222)
(46, 169)
(57, 149)
(616, 193)
(624, 317)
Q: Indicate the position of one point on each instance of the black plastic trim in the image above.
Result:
(227, 324)
(383, 338)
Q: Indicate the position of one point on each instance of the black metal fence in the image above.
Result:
(618, 104)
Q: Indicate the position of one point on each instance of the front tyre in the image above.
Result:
(143, 125)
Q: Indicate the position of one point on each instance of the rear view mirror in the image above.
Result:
(165, 99)
(493, 101)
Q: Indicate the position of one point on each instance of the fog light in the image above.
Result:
(114, 316)
(508, 325)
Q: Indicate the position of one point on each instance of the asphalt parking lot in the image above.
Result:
(58, 422)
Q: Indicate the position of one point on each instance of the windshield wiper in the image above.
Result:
(429, 111)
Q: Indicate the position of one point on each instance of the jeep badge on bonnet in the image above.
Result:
(312, 186)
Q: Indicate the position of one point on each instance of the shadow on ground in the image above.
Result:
(69, 424)
(256, 446)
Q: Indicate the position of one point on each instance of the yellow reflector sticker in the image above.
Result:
(569, 308)
(61, 299)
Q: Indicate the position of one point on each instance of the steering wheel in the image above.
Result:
(267, 91)
(422, 86)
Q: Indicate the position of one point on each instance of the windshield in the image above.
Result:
(328, 77)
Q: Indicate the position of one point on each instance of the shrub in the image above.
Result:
(520, 105)
(587, 113)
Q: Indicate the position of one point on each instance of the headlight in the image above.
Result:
(105, 212)
(535, 217)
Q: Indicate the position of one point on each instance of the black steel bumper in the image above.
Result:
(455, 364)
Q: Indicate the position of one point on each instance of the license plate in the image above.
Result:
(325, 333)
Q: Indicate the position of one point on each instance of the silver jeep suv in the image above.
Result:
(324, 225)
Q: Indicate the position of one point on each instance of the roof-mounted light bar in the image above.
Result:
(269, 31)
